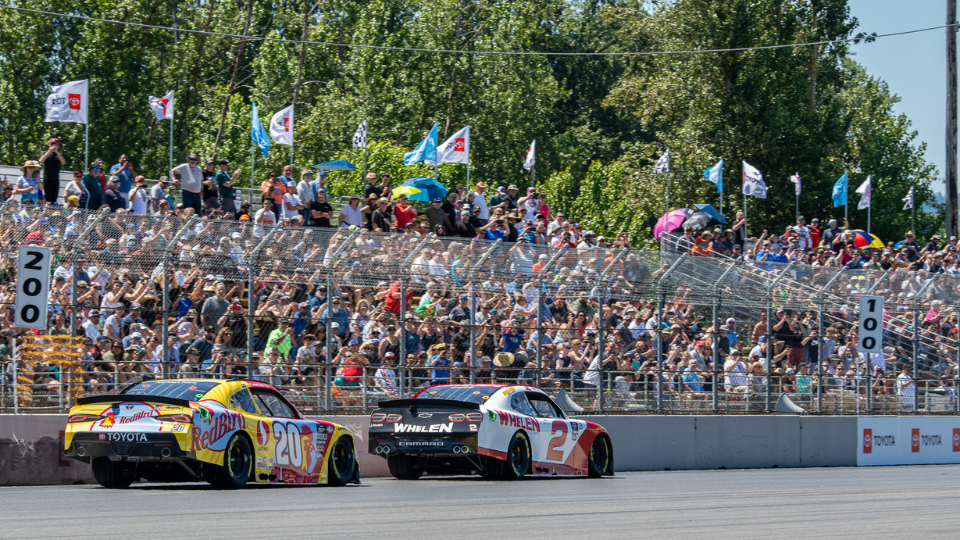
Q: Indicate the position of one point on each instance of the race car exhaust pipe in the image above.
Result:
(81, 451)
(165, 452)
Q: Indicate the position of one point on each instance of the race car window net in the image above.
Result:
(470, 394)
(189, 390)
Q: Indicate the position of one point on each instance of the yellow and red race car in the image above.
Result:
(225, 432)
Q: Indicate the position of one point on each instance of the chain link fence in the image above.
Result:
(338, 319)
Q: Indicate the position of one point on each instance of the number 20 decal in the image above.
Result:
(288, 451)
(561, 432)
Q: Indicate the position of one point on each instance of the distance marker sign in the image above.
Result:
(33, 285)
(870, 335)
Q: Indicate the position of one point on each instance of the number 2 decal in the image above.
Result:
(288, 451)
(560, 431)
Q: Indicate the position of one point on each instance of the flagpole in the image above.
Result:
(668, 190)
(868, 216)
(86, 147)
(253, 157)
(846, 201)
(913, 209)
(364, 179)
(468, 174)
(798, 205)
(171, 146)
(746, 236)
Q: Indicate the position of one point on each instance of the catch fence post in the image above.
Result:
(327, 390)
(661, 299)
(402, 361)
(820, 306)
(165, 301)
(769, 336)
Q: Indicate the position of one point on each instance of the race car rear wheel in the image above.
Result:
(342, 462)
(599, 460)
(237, 468)
(110, 474)
(404, 467)
(518, 457)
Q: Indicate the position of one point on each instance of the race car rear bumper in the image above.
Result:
(124, 446)
(455, 445)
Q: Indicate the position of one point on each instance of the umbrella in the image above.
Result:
(338, 165)
(672, 221)
(429, 188)
(709, 209)
(863, 239)
(700, 220)
(405, 190)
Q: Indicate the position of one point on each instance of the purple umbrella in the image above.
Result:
(672, 221)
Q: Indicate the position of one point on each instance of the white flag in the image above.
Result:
(456, 149)
(531, 156)
(908, 200)
(360, 137)
(796, 180)
(864, 191)
(162, 107)
(281, 126)
(663, 164)
(753, 183)
(68, 102)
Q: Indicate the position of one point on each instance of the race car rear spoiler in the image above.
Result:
(117, 398)
(427, 403)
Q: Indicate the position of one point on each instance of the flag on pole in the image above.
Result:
(68, 102)
(663, 164)
(360, 137)
(257, 133)
(426, 150)
(162, 107)
(908, 200)
(281, 126)
(715, 175)
(864, 191)
(456, 149)
(796, 180)
(753, 183)
(840, 191)
(531, 156)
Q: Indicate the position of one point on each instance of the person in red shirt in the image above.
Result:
(814, 229)
(392, 300)
(403, 212)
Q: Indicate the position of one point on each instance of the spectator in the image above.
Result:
(27, 186)
(403, 213)
(321, 211)
(75, 188)
(906, 392)
(225, 188)
(191, 181)
(351, 216)
(138, 197)
(112, 197)
(52, 160)
(158, 193)
(123, 170)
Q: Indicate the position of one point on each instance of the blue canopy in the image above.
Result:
(429, 188)
(712, 212)
(338, 165)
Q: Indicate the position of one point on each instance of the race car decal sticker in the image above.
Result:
(436, 428)
(211, 433)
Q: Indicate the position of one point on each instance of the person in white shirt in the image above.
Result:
(159, 193)
(264, 216)
(529, 205)
(191, 182)
(63, 271)
(735, 371)
(480, 201)
(90, 325)
(291, 203)
(803, 232)
(138, 198)
(905, 387)
(351, 214)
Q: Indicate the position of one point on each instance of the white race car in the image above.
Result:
(493, 430)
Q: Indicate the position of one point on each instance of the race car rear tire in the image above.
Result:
(342, 462)
(404, 467)
(599, 461)
(237, 468)
(109, 474)
(518, 457)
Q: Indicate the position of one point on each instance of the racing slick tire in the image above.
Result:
(342, 462)
(518, 457)
(109, 474)
(404, 467)
(599, 461)
(237, 468)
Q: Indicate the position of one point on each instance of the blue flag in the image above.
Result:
(257, 132)
(715, 175)
(840, 191)
(426, 150)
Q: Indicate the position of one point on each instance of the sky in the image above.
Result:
(914, 66)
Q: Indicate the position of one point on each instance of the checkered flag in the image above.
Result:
(360, 137)
(908, 200)
(663, 164)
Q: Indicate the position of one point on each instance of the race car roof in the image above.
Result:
(471, 393)
(178, 389)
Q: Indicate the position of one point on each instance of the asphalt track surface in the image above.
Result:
(880, 502)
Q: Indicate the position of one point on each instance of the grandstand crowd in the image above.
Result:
(528, 300)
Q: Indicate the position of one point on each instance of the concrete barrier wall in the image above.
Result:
(31, 446)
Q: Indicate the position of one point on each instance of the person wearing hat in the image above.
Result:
(351, 215)
(403, 213)
(225, 189)
(319, 183)
(159, 193)
(321, 212)
(496, 201)
(511, 198)
(75, 189)
(91, 325)
(123, 170)
(440, 365)
(51, 161)
(464, 228)
(435, 214)
(291, 203)
(26, 185)
(112, 197)
(191, 181)
(138, 197)
(480, 202)
(380, 216)
(370, 187)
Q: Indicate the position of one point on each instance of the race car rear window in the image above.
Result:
(189, 390)
(470, 394)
